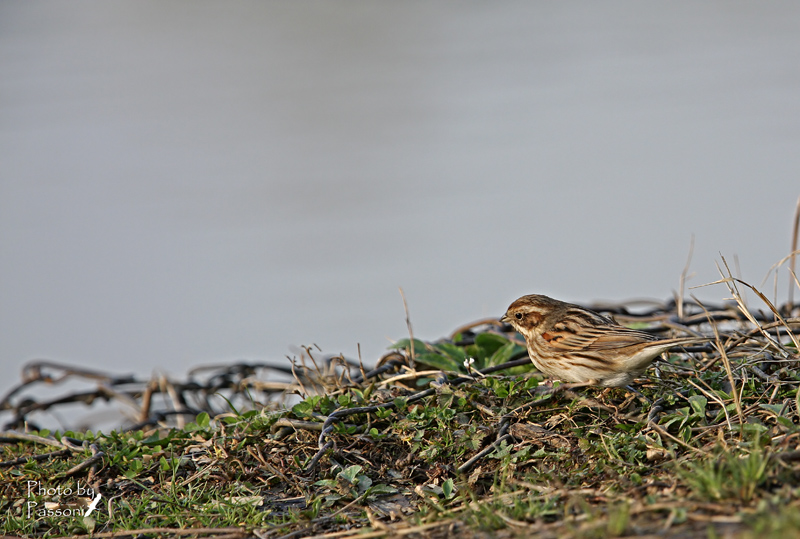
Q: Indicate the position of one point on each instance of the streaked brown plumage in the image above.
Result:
(574, 344)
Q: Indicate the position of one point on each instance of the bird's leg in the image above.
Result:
(578, 385)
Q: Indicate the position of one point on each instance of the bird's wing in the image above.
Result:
(602, 337)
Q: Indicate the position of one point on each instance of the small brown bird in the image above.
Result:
(575, 344)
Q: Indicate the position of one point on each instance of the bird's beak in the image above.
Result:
(505, 318)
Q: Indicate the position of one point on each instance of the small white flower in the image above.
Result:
(468, 363)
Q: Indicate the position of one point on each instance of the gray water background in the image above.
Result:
(194, 182)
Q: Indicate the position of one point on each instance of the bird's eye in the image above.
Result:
(518, 316)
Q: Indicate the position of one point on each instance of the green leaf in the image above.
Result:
(376, 435)
(503, 354)
(202, 420)
(774, 408)
(419, 346)
(383, 413)
(135, 467)
(448, 489)
(502, 389)
(155, 440)
(380, 490)
(438, 361)
(326, 405)
(491, 342)
(350, 473)
(400, 403)
(503, 451)
(754, 428)
(456, 353)
(364, 483)
(530, 383)
(630, 428)
(343, 400)
(303, 409)
(698, 404)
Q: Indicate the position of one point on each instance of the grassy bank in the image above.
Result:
(431, 444)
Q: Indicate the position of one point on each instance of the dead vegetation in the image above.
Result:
(455, 438)
(467, 442)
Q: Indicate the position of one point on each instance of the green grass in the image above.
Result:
(692, 456)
